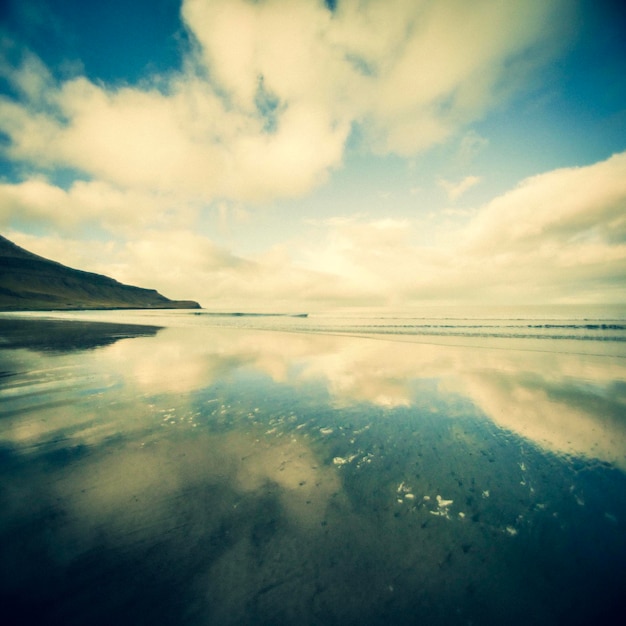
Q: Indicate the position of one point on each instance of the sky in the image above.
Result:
(302, 155)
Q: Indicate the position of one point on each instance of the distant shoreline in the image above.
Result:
(101, 308)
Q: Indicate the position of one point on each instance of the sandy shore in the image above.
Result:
(182, 475)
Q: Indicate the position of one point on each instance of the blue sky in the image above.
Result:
(285, 154)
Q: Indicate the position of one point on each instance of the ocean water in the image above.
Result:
(469, 326)
(380, 467)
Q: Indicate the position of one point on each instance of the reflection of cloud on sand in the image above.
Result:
(567, 403)
(275, 353)
(88, 397)
(375, 372)
(247, 501)
(140, 486)
(306, 485)
(185, 359)
(562, 416)
(173, 364)
(191, 512)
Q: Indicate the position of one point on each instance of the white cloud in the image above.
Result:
(263, 109)
(92, 255)
(560, 236)
(186, 142)
(184, 265)
(90, 203)
(286, 84)
(556, 237)
(567, 206)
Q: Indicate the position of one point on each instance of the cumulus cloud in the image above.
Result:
(578, 204)
(556, 237)
(186, 141)
(88, 204)
(269, 94)
(271, 91)
(182, 264)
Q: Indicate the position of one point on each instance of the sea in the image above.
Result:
(432, 465)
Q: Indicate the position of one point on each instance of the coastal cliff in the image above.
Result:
(29, 282)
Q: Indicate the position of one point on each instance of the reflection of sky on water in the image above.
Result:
(567, 403)
(255, 477)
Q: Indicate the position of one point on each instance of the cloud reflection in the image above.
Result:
(566, 403)
(563, 402)
(241, 470)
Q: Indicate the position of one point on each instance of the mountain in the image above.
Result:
(29, 282)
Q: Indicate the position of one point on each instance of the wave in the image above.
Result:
(459, 326)
(242, 314)
(515, 326)
(461, 332)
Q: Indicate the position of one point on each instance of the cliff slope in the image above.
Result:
(29, 282)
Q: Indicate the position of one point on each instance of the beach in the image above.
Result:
(182, 468)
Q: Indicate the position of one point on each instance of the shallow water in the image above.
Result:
(191, 472)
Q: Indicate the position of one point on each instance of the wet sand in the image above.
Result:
(197, 475)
